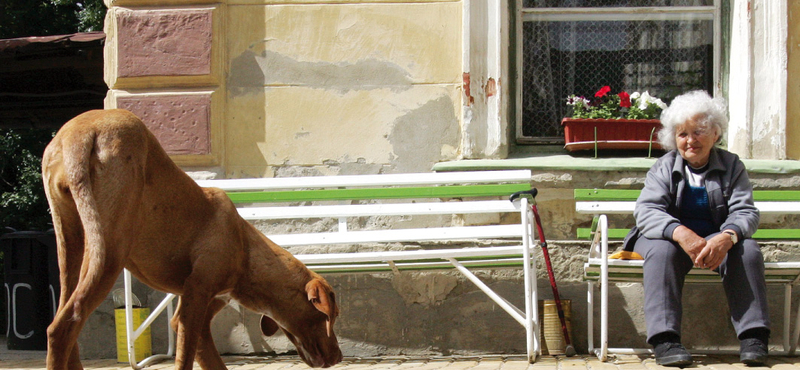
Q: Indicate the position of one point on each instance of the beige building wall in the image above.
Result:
(251, 88)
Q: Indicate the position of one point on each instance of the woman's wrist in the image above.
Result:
(734, 236)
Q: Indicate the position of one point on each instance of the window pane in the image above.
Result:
(665, 58)
(611, 3)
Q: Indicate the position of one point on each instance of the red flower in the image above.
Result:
(602, 92)
(624, 99)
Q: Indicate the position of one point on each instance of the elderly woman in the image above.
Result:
(696, 210)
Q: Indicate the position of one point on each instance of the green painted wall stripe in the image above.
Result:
(631, 195)
(449, 191)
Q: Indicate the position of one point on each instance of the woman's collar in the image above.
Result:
(714, 162)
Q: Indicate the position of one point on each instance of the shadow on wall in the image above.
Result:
(246, 111)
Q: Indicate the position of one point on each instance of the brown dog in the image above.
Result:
(118, 201)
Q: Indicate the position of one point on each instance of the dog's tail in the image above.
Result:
(77, 153)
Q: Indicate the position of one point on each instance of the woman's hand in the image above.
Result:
(714, 252)
(691, 243)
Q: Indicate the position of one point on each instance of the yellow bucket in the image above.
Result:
(550, 331)
(143, 345)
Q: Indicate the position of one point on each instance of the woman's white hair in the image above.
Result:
(709, 113)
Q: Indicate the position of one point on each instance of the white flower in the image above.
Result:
(645, 100)
(576, 100)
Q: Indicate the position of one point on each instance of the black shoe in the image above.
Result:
(753, 352)
(672, 354)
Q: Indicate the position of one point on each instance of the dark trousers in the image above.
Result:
(665, 269)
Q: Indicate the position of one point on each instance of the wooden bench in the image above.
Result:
(600, 269)
(348, 198)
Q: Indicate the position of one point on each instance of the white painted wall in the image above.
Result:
(486, 43)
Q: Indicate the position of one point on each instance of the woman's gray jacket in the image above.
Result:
(730, 196)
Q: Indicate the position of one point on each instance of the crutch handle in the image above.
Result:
(527, 193)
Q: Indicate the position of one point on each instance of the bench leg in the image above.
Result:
(793, 345)
(787, 318)
(590, 316)
(131, 333)
(603, 227)
(528, 319)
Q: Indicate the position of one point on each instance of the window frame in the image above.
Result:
(707, 12)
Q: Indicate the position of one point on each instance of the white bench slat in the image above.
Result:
(627, 207)
(615, 207)
(779, 207)
(383, 256)
(368, 180)
(399, 235)
(366, 210)
(775, 272)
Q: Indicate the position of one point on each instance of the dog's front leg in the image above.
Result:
(193, 308)
(196, 308)
(207, 355)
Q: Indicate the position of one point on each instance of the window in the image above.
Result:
(569, 47)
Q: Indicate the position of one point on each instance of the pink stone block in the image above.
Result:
(164, 43)
(182, 123)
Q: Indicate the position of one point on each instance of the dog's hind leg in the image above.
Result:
(69, 239)
(90, 291)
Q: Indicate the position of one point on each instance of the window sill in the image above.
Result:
(564, 162)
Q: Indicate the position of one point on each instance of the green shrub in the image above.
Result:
(22, 199)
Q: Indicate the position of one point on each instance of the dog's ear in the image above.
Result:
(322, 297)
(268, 326)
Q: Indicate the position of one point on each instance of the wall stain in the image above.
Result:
(251, 72)
(417, 138)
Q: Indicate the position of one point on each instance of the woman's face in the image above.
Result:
(695, 142)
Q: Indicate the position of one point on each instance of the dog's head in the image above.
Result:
(310, 325)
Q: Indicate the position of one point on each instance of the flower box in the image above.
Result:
(579, 133)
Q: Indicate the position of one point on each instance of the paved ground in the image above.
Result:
(34, 360)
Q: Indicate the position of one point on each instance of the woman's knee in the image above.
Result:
(659, 249)
(751, 253)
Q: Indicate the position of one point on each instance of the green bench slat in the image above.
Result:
(776, 195)
(769, 234)
(763, 234)
(631, 195)
(366, 267)
(449, 191)
(586, 233)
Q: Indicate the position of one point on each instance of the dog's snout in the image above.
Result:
(333, 358)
